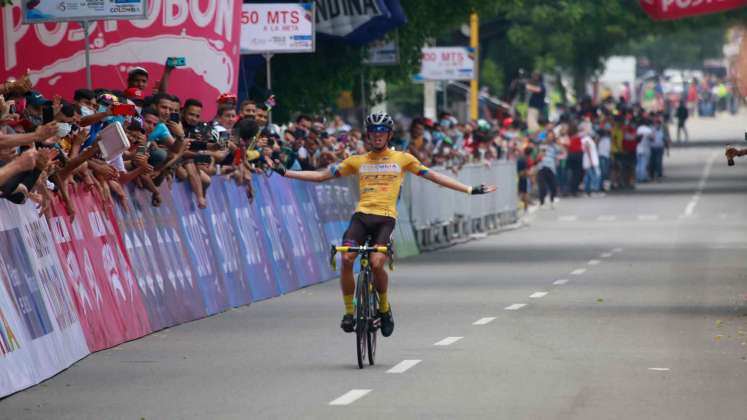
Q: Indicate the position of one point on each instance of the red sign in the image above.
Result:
(677, 9)
(205, 32)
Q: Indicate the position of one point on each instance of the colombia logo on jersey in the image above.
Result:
(379, 168)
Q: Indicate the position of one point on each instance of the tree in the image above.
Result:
(312, 82)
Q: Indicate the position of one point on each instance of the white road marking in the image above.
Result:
(568, 218)
(607, 218)
(690, 208)
(350, 397)
(537, 295)
(448, 341)
(560, 282)
(403, 366)
(648, 217)
(483, 321)
(593, 262)
(660, 369)
(578, 271)
(606, 255)
(617, 250)
(515, 306)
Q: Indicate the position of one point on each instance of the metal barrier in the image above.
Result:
(442, 217)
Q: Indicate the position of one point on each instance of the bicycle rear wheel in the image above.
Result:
(373, 328)
(361, 318)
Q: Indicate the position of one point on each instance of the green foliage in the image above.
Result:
(491, 75)
(312, 82)
(685, 48)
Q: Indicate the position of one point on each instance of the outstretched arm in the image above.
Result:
(313, 176)
(448, 182)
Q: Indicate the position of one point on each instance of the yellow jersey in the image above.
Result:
(379, 177)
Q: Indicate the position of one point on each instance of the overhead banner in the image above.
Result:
(677, 9)
(205, 33)
(277, 28)
(447, 63)
(358, 21)
(36, 11)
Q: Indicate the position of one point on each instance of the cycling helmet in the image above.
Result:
(380, 118)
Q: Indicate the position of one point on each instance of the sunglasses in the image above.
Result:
(378, 129)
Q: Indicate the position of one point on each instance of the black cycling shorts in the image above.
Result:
(362, 225)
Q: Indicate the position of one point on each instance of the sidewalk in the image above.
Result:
(724, 128)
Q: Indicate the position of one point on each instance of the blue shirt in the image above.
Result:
(549, 157)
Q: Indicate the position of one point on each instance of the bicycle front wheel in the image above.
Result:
(361, 318)
(373, 299)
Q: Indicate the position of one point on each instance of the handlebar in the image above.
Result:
(362, 249)
(388, 250)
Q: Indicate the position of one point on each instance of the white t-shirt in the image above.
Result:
(646, 134)
(118, 163)
(604, 147)
(591, 157)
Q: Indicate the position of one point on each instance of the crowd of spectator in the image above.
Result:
(47, 145)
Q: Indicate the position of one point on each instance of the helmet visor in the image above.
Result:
(378, 129)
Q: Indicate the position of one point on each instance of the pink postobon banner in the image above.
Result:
(677, 9)
(205, 32)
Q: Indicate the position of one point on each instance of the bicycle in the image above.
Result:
(366, 300)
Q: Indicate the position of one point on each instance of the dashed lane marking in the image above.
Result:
(593, 262)
(606, 255)
(515, 306)
(483, 321)
(350, 397)
(560, 282)
(606, 218)
(578, 271)
(403, 366)
(537, 295)
(648, 217)
(447, 341)
(617, 250)
(658, 369)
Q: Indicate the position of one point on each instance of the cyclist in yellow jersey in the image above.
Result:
(380, 173)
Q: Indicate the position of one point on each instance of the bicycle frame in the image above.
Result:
(365, 300)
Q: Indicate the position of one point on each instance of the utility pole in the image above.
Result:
(474, 42)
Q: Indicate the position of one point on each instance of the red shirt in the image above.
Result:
(574, 146)
(629, 141)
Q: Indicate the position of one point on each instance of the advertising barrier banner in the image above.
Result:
(252, 243)
(160, 260)
(101, 281)
(40, 334)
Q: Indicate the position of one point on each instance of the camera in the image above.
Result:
(203, 159)
(223, 138)
(175, 117)
(198, 145)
